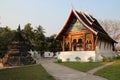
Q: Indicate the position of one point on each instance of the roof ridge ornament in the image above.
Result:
(19, 29)
(81, 10)
(72, 6)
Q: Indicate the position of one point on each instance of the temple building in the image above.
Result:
(82, 36)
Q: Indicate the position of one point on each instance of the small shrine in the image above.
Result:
(18, 51)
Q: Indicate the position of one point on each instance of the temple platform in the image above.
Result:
(83, 56)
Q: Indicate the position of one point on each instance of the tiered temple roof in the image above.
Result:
(18, 46)
(87, 21)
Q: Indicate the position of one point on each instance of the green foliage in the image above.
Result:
(82, 66)
(39, 39)
(53, 45)
(118, 57)
(27, 60)
(110, 59)
(5, 38)
(90, 59)
(34, 72)
(28, 34)
(104, 59)
(111, 72)
(35, 39)
(77, 59)
(59, 60)
(13, 60)
(68, 59)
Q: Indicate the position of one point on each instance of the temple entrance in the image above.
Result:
(82, 42)
(80, 45)
(77, 45)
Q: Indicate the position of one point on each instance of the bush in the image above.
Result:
(68, 59)
(110, 59)
(90, 59)
(104, 59)
(77, 59)
(118, 57)
(59, 61)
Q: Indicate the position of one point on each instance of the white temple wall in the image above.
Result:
(103, 49)
(71, 55)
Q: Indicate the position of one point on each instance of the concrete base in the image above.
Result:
(83, 56)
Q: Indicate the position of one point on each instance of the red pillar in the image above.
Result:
(84, 42)
(93, 42)
(70, 45)
(63, 42)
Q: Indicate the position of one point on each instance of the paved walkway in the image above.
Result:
(64, 73)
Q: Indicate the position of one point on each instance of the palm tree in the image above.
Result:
(39, 40)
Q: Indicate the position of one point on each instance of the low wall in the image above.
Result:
(71, 55)
(50, 54)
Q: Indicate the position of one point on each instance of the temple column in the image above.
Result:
(70, 45)
(63, 42)
(93, 42)
(84, 42)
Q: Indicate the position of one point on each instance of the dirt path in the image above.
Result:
(64, 73)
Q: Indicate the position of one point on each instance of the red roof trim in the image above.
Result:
(61, 32)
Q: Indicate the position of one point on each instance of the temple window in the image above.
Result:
(80, 45)
(88, 45)
(88, 41)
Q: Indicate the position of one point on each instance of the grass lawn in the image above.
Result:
(111, 72)
(34, 72)
(82, 66)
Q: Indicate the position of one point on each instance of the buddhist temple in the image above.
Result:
(84, 37)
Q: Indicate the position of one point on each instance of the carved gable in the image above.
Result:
(75, 26)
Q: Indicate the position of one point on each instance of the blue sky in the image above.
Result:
(52, 14)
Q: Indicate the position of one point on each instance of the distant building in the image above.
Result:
(82, 36)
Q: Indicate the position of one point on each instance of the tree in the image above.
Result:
(28, 34)
(6, 36)
(112, 28)
(39, 40)
(53, 45)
